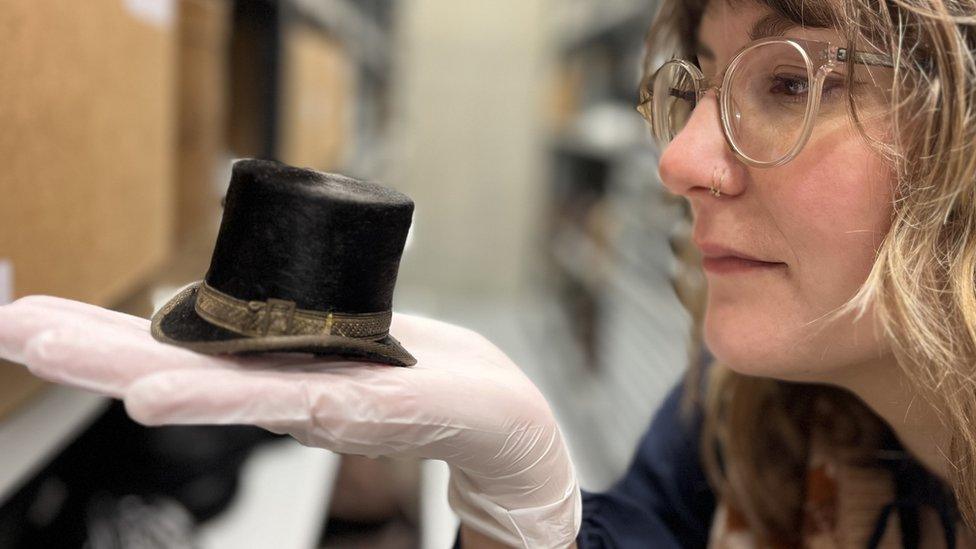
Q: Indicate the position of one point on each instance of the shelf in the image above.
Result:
(284, 487)
(439, 524)
(582, 21)
(36, 432)
(581, 257)
(282, 500)
(610, 130)
(365, 39)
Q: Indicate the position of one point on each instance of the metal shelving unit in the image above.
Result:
(610, 249)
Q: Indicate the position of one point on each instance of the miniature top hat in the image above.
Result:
(304, 261)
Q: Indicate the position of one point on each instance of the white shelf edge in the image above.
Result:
(438, 523)
(282, 500)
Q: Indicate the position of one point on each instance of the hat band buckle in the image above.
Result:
(272, 317)
(281, 317)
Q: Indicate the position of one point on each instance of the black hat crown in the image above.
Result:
(325, 241)
(304, 261)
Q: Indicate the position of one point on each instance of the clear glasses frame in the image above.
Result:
(821, 59)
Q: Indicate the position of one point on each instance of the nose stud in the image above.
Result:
(716, 188)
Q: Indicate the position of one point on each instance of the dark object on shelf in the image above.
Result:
(305, 261)
(130, 522)
(193, 467)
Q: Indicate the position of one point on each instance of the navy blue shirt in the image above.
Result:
(664, 500)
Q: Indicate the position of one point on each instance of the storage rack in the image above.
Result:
(36, 432)
(609, 239)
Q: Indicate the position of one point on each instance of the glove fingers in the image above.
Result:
(81, 309)
(269, 400)
(332, 409)
(285, 394)
(106, 360)
(216, 397)
(25, 318)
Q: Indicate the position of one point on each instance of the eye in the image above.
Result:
(789, 86)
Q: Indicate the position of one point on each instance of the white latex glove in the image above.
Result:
(464, 402)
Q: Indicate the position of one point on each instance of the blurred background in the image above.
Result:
(540, 222)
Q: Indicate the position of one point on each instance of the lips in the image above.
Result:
(721, 259)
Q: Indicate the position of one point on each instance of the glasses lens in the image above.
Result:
(674, 95)
(766, 100)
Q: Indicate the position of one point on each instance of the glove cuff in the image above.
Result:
(553, 524)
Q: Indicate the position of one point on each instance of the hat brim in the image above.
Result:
(177, 323)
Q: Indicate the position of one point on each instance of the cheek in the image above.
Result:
(834, 219)
(826, 212)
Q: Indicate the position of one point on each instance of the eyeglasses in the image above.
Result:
(772, 93)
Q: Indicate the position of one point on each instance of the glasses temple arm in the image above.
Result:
(865, 58)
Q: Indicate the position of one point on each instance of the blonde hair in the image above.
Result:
(922, 287)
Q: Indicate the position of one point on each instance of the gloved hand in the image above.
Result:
(464, 402)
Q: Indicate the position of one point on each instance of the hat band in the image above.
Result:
(276, 317)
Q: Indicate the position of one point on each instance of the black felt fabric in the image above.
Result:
(327, 242)
(324, 241)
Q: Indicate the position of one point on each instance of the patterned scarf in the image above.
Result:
(894, 505)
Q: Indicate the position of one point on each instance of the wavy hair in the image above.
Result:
(923, 282)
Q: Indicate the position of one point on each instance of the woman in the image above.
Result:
(831, 177)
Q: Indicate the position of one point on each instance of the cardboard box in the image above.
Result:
(316, 103)
(292, 88)
(87, 103)
(88, 108)
(204, 30)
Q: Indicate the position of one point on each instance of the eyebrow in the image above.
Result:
(772, 24)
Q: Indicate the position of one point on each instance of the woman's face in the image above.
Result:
(817, 221)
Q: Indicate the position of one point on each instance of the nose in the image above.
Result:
(699, 157)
